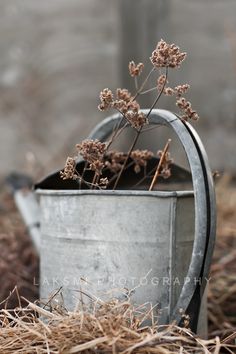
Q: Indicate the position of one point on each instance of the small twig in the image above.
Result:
(159, 95)
(150, 128)
(147, 91)
(136, 82)
(94, 181)
(117, 133)
(82, 175)
(154, 180)
(115, 176)
(127, 157)
(149, 174)
(144, 83)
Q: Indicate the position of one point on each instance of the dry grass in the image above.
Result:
(222, 290)
(18, 261)
(111, 327)
(114, 326)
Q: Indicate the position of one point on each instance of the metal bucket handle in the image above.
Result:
(205, 211)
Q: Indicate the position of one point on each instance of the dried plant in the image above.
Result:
(167, 56)
(140, 158)
(97, 155)
(93, 152)
(69, 169)
(101, 327)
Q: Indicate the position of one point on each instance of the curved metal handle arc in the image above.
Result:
(205, 211)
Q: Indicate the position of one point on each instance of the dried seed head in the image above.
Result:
(165, 167)
(106, 97)
(186, 107)
(168, 91)
(69, 170)
(123, 94)
(114, 160)
(136, 119)
(103, 182)
(167, 55)
(120, 105)
(133, 106)
(181, 89)
(93, 152)
(161, 81)
(140, 158)
(125, 102)
(135, 70)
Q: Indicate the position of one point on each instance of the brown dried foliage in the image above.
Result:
(140, 158)
(69, 170)
(167, 55)
(164, 56)
(93, 152)
(135, 70)
(103, 327)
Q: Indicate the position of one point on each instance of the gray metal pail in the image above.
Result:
(159, 243)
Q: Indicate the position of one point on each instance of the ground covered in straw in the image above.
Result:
(109, 327)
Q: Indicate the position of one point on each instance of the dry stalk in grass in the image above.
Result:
(18, 269)
(103, 327)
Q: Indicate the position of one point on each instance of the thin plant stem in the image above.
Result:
(159, 95)
(115, 176)
(144, 83)
(117, 133)
(150, 128)
(82, 175)
(136, 82)
(149, 90)
(95, 177)
(140, 129)
(144, 177)
(127, 157)
(82, 180)
(157, 173)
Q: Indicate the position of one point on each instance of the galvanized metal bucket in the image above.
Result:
(158, 243)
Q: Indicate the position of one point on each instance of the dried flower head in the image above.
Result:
(93, 152)
(106, 97)
(114, 160)
(167, 161)
(125, 101)
(186, 107)
(178, 90)
(181, 89)
(161, 81)
(103, 182)
(168, 91)
(135, 70)
(69, 170)
(167, 55)
(133, 105)
(120, 105)
(136, 119)
(123, 94)
(140, 158)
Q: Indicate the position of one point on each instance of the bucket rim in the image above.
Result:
(118, 192)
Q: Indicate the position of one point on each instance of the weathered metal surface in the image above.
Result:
(163, 236)
(30, 212)
(205, 209)
(115, 240)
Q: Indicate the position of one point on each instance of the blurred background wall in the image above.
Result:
(57, 55)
